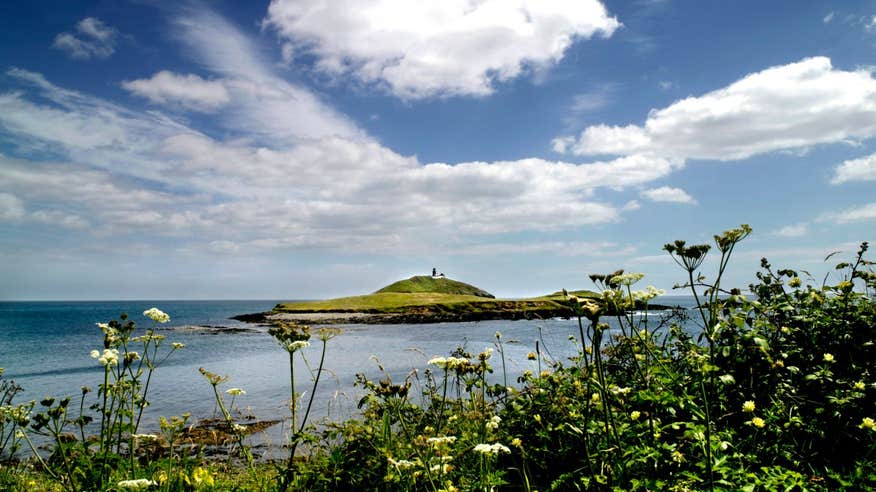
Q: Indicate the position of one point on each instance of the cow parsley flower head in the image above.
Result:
(235, 391)
(491, 449)
(156, 315)
(138, 484)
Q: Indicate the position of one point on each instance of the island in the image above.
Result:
(423, 299)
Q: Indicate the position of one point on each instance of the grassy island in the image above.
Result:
(422, 299)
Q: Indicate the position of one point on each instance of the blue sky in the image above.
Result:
(314, 148)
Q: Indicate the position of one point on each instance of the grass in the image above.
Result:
(441, 285)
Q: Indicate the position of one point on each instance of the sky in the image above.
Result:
(300, 149)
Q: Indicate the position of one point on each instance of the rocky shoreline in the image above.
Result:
(412, 315)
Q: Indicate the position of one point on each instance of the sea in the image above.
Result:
(45, 346)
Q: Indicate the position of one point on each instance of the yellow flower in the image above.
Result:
(748, 406)
(531, 356)
(635, 414)
(860, 386)
(516, 442)
(868, 423)
(758, 422)
(828, 358)
(594, 397)
(201, 476)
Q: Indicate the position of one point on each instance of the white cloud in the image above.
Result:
(263, 105)
(794, 230)
(668, 194)
(437, 47)
(862, 169)
(827, 18)
(189, 91)
(297, 173)
(593, 100)
(95, 40)
(855, 214)
(11, 207)
(781, 108)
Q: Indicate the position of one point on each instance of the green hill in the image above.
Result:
(439, 285)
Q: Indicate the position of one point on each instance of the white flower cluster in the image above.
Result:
(441, 440)
(138, 484)
(235, 391)
(647, 295)
(448, 362)
(156, 315)
(109, 357)
(491, 449)
(493, 423)
(627, 278)
(296, 345)
(403, 464)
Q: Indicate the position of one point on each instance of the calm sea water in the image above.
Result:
(44, 347)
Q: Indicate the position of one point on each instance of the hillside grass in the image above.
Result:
(395, 302)
(441, 285)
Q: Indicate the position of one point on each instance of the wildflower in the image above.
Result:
(828, 357)
(493, 423)
(498, 335)
(677, 457)
(239, 429)
(104, 327)
(785, 330)
(202, 476)
(595, 397)
(109, 357)
(868, 423)
(860, 386)
(401, 464)
(795, 282)
(727, 378)
(758, 422)
(639, 357)
(140, 483)
(297, 345)
(486, 354)
(144, 437)
(156, 315)
(235, 391)
(516, 442)
(438, 361)
(491, 449)
(748, 406)
(626, 278)
(531, 356)
(441, 467)
(177, 345)
(544, 373)
(435, 441)
(326, 334)
(620, 391)
(448, 487)
(635, 414)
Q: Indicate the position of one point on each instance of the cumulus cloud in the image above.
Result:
(781, 108)
(93, 39)
(793, 230)
(862, 169)
(860, 213)
(301, 176)
(668, 194)
(437, 47)
(190, 91)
